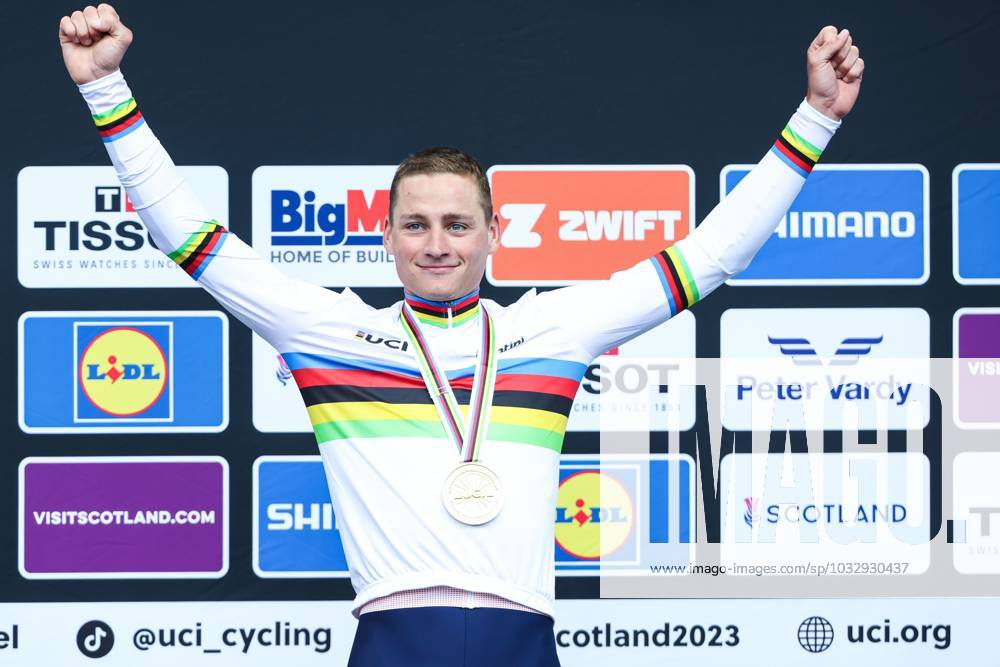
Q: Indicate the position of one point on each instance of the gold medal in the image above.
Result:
(472, 494)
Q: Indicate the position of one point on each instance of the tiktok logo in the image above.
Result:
(95, 639)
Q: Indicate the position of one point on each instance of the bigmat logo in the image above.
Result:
(975, 209)
(89, 235)
(565, 224)
(623, 513)
(850, 225)
(294, 529)
(123, 372)
(976, 350)
(123, 517)
(324, 224)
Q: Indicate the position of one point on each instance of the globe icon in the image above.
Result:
(815, 634)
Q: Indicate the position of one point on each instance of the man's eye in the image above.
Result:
(458, 226)
(413, 226)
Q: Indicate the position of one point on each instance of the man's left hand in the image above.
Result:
(834, 69)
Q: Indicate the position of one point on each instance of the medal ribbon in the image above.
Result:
(469, 434)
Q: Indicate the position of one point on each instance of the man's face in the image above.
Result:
(439, 235)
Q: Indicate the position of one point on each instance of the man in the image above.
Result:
(445, 511)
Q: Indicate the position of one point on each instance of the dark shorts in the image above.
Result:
(454, 637)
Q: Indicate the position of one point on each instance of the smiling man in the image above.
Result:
(442, 455)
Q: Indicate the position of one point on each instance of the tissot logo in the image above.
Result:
(90, 235)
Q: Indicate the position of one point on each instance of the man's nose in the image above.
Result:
(437, 243)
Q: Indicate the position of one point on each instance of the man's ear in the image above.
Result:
(494, 233)
(387, 235)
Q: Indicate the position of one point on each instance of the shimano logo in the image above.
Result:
(847, 225)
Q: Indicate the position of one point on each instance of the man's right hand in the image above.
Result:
(93, 42)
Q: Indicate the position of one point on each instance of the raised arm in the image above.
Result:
(93, 41)
(603, 314)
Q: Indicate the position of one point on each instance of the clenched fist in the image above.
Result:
(834, 69)
(93, 42)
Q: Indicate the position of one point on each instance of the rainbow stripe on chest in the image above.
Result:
(350, 398)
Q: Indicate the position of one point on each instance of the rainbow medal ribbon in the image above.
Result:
(472, 493)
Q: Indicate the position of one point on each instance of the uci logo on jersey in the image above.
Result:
(566, 224)
(123, 370)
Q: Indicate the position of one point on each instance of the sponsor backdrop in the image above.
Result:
(157, 467)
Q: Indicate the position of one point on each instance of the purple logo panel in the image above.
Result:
(109, 517)
(977, 342)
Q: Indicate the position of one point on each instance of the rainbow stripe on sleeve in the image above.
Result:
(796, 152)
(200, 249)
(676, 278)
(118, 122)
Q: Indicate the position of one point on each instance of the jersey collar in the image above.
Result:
(444, 314)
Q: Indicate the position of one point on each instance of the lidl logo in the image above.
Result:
(594, 515)
(108, 372)
(623, 512)
(567, 224)
(864, 224)
(123, 370)
(324, 224)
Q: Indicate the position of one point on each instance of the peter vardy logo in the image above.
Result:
(803, 353)
(815, 634)
(860, 224)
(325, 224)
(808, 365)
(90, 235)
(130, 372)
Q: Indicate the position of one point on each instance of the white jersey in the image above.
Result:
(384, 448)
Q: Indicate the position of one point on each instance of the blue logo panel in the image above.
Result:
(295, 525)
(976, 213)
(123, 372)
(623, 513)
(850, 225)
